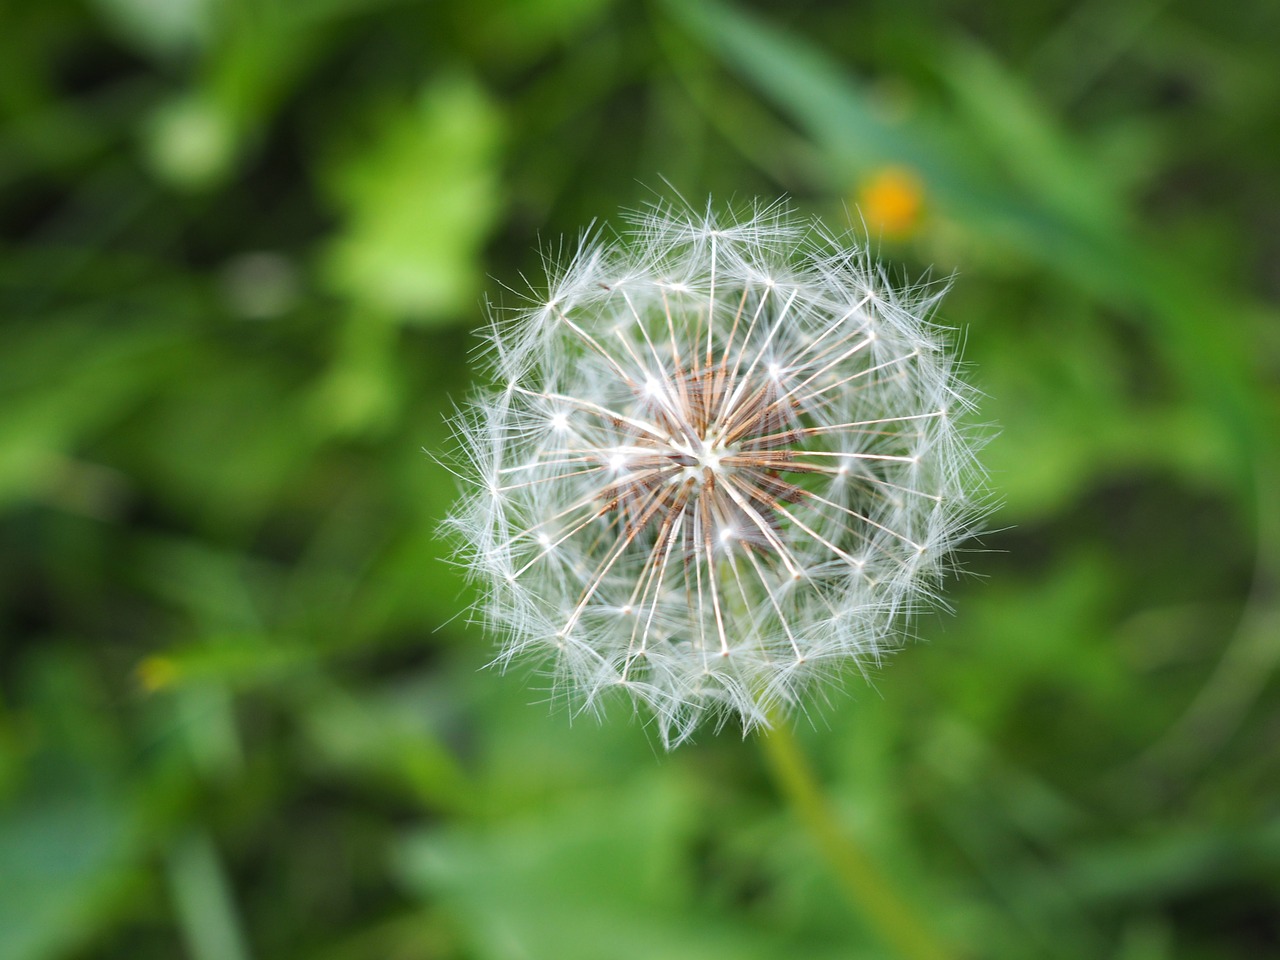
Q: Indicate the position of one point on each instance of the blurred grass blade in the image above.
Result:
(202, 897)
(821, 97)
(998, 106)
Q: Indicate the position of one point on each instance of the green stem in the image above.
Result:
(867, 888)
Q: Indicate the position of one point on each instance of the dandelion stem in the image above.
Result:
(867, 888)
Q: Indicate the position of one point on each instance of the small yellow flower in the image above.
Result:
(892, 201)
(157, 673)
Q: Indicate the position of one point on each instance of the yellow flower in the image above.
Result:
(157, 673)
(892, 201)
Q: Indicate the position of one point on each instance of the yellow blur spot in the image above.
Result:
(156, 673)
(892, 201)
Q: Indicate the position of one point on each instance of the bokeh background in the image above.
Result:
(246, 245)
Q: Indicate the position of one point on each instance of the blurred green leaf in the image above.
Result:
(164, 27)
(192, 142)
(418, 203)
(59, 388)
(62, 858)
(619, 856)
(996, 105)
(201, 889)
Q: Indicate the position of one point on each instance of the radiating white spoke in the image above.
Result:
(712, 464)
(764, 347)
(642, 425)
(851, 427)
(809, 494)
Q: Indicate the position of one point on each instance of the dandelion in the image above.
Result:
(722, 459)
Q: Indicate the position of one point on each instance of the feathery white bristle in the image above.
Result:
(722, 459)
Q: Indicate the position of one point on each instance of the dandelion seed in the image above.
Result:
(731, 459)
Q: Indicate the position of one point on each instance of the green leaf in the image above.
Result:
(417, 205)
(606, 872)
(62, 861)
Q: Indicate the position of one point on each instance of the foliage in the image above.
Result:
(245, 249)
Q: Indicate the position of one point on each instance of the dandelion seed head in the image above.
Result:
(728, 457)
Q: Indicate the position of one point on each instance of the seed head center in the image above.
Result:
(711, 453)
(708, 455)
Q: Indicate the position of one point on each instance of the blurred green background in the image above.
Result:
(246, 244)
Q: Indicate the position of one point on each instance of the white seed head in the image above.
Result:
(721, 466)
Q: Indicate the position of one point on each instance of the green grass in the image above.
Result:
(244, 249)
